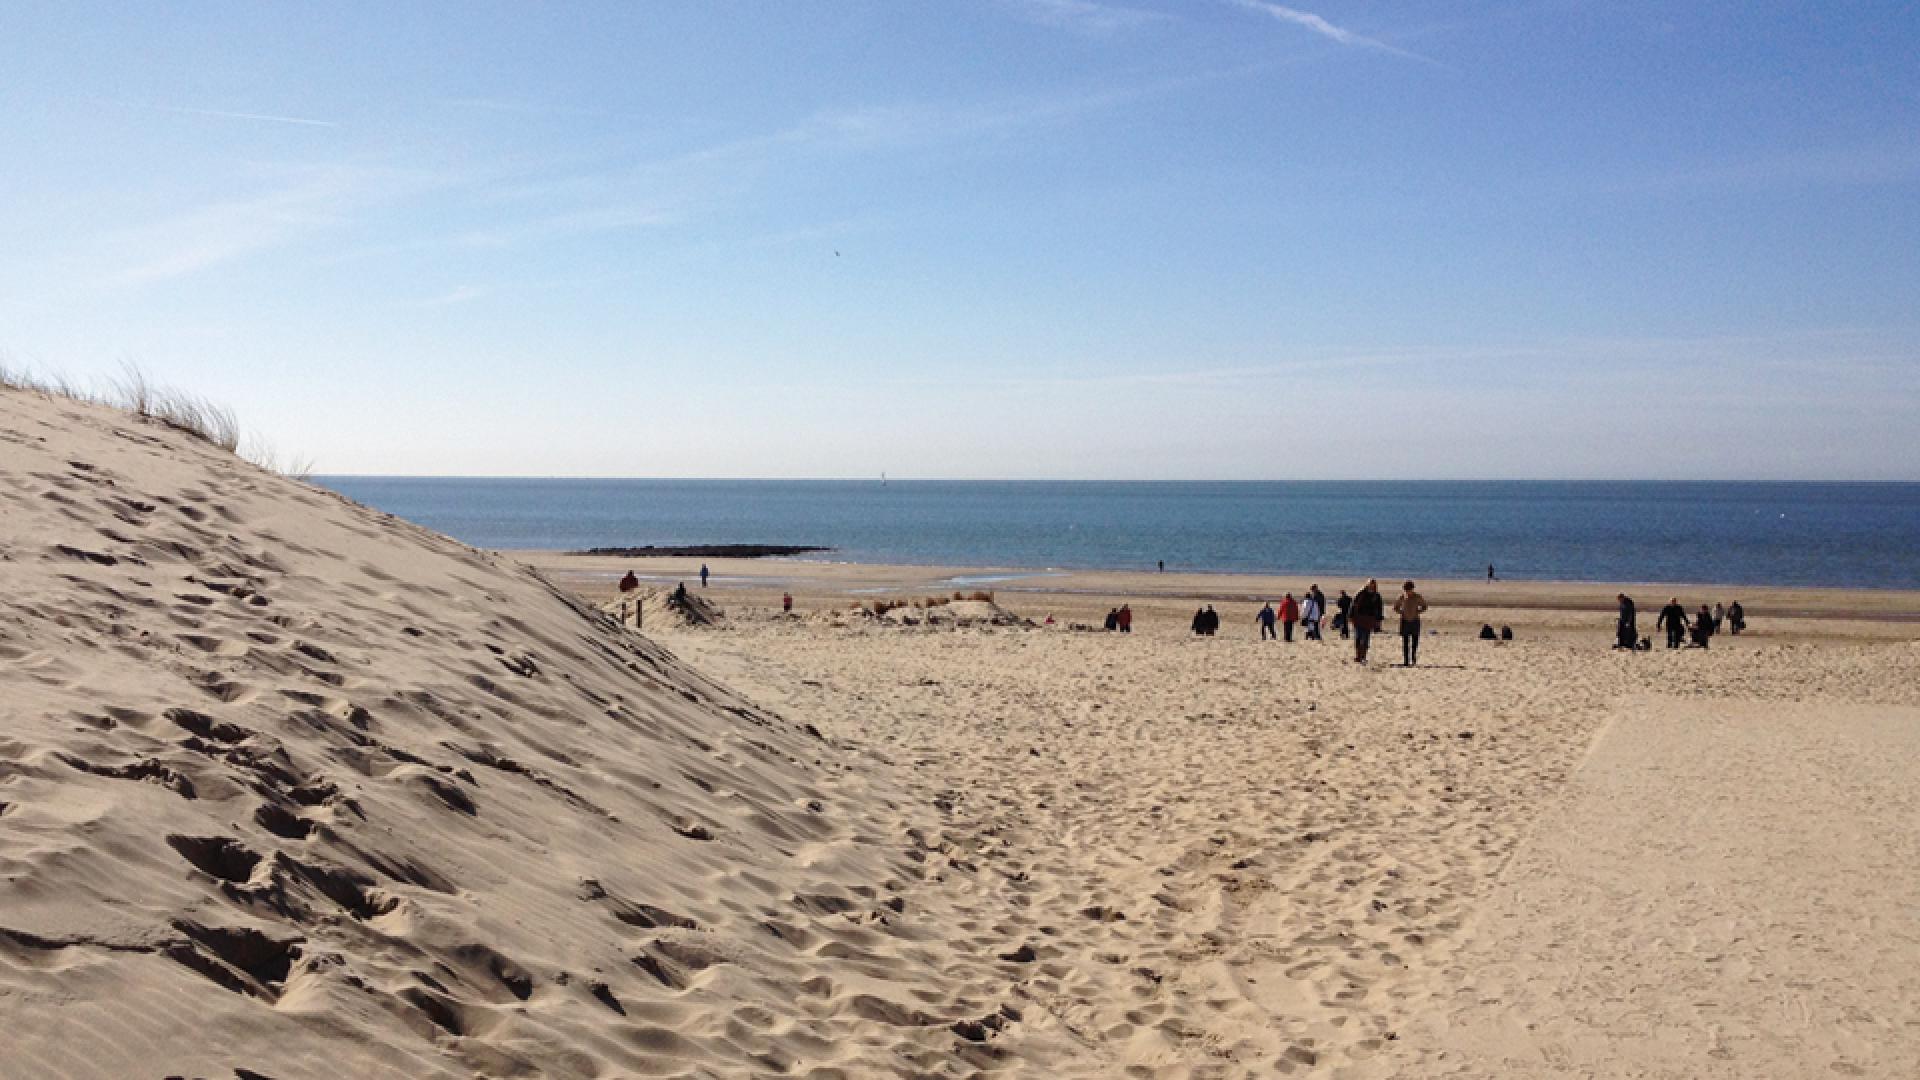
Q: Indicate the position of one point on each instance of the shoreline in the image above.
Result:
(859, 580)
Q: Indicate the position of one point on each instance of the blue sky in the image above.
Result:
(998, 238)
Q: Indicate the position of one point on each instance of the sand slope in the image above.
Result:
(291, 788)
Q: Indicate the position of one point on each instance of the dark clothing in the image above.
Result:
(1409, 641)
(1126, 619)
(1674, 618)
(1626, 632)
(1369, 608)
(1341, 618)
(629, 583)
(1736, 618)
(1703, 628)
(1366, 615)
(1265, 618)
(1113, 619)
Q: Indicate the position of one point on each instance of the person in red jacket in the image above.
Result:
(1289, 614)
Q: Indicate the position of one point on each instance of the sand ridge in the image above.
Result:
(291, 788)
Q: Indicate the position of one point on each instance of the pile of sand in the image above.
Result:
(661, 608)
(947, 613)
(291, 788)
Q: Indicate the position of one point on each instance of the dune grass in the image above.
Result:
(134, 392)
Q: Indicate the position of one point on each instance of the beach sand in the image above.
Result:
(290, 788)
(1540, 858)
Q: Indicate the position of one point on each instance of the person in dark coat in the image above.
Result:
(1342, 609)
(1200, 621)
(1368, 612)
(1703, 626)
(1626, 632)
(1673, 618)
(1736, 618)
(1265, 619)
(1113, 619)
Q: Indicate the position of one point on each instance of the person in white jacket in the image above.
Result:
(1311, 610)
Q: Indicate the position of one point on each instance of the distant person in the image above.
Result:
(1719, 616)
(1200, 622)
(1487, 634)
(680, 595)
(1366, 615)
(1265, 618)
(703, 575)
(1506, 633)
(786, 602)
(629, 583)
(1626, 629)
(1113, 620)
(1342, 614)
(1703, 627)
(1673, 618)
(1736, 618)
(1409, 607)
(1163, 566)
(1213, 621)
(1289, 614)
(1489, 571)
(1312, 610)
(1126, 619)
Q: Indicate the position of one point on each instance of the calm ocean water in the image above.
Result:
(1863, 535)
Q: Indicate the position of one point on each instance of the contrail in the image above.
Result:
(1326, 29)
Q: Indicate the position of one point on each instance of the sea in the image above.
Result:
(1864, 535)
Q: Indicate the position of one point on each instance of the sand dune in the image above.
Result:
(290, 788)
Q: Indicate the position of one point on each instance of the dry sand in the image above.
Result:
(290, 788)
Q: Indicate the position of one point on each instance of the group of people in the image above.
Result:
(1358, 617)
(1119, 619)
(1696, 633)
(1307, 611)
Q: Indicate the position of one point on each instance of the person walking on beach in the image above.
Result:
(1408, 607)
(1368, 612)
(1719, 616)
(1289, 614)
(1200, 622)
(1126, 619)
(1265, 619)
(1489, 571)
(1311, 611)
(1674, 618)
(703, 575)
(1343, 615)
(1626, 631)
(1163, 566)
(786, 602)
(1736, 618)
(1213, 621)
(1113, 620)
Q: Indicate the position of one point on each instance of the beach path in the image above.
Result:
(1728, 890)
